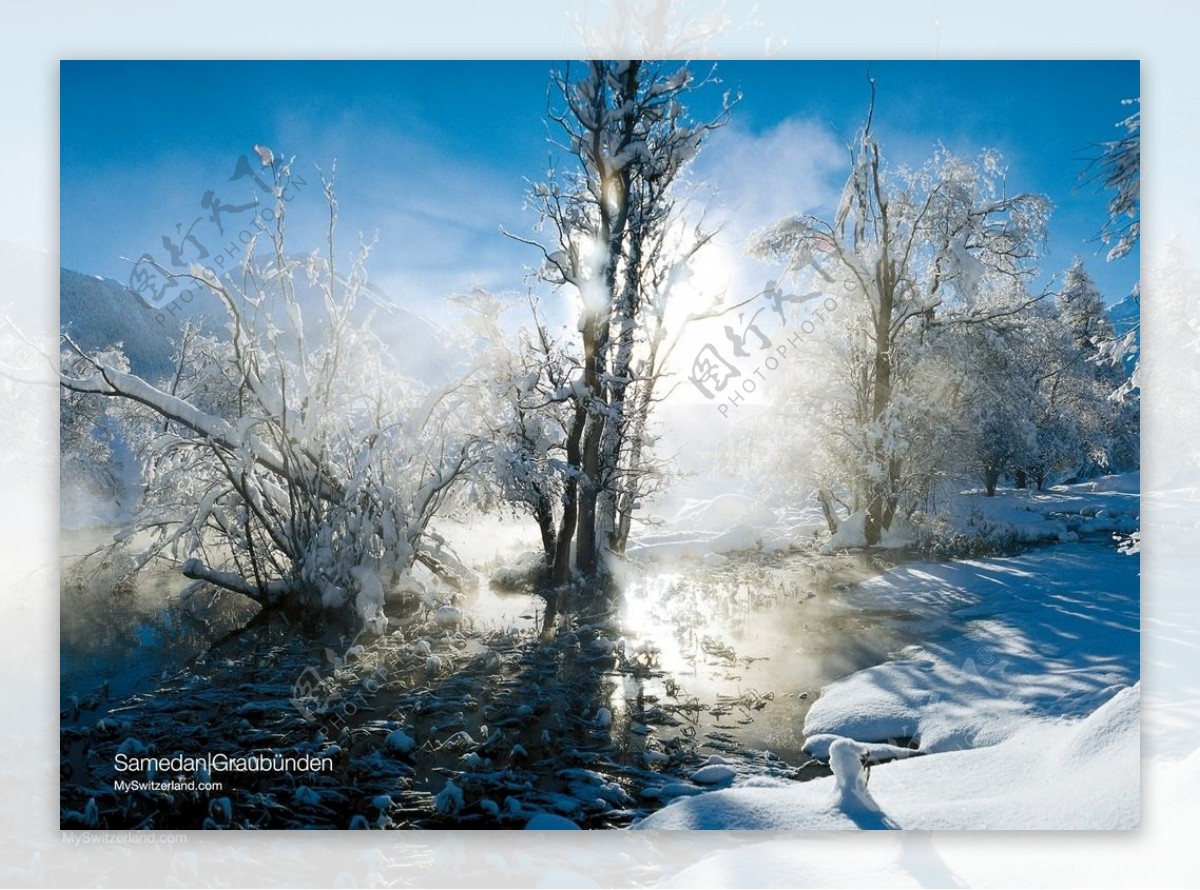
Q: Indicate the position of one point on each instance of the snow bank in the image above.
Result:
(704, 526)
(1021, 698)
(1124, 483)
(1016, 517)
(1047, 633)
(1050, 774)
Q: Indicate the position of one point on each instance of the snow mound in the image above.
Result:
(448, 617)
(1050, 774)
(846, 760)
(369, 596)
(399, 740)
(713, 774)
(521, 575)
(850, 533)
(305, 796)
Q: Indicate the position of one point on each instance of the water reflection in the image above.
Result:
(751, 643)
(632, 697)
(117, 639)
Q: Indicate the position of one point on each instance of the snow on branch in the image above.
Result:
(1118, 168)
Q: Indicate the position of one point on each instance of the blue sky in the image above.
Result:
(434, 157)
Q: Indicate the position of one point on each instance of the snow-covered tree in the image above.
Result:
(1063, 402)
(88, 435)
(911, 251)
(997, 404)
(1082, 309)
(522, 387)
(1109, 405)
(1038, 392)
(1118, 167)
(288, 461)
(616, 242)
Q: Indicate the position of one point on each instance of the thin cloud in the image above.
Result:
(795, 166)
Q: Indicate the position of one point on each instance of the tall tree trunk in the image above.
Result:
(892, 500)
(990, 477)
(566, 530)
(826, 501)
(543, 511)
(880, 488)
(628, 494)
(586, 560)
(619, 423)
(614, 217)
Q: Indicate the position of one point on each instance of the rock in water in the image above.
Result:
(400, 741)
(448, 617)
(713, 774)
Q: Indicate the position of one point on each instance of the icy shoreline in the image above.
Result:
(1049, 774)
(1024, 694)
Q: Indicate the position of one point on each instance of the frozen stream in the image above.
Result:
(739, 651)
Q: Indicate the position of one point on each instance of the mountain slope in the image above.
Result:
(98, 312)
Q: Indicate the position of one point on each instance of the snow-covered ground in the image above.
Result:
(707, 518)
(1052, 632)
(1023, 694)
(1047, 775)
(1108, 504)
(706, 526)
(1012, 518)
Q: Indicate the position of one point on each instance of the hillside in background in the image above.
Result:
(98, 312)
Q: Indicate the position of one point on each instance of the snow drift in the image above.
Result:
(1050, 774)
